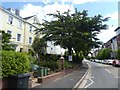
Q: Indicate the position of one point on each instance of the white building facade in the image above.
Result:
(22, 30)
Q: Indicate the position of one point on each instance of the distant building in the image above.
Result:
(113, 45)
(119, 14)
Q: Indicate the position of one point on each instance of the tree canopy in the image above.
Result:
(104, 54)
(75, 31)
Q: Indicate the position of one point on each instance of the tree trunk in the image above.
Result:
(38, 58)
(70, 51)
(77, 56)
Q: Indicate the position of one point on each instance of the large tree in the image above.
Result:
(75, 31)
(39, 46)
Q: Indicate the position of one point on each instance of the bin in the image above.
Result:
(45, 71)
(40, 71)
(18, 81)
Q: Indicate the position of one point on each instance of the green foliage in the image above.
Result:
(39, 46)
(51, 64)
(53, 57)
(75, 31)
(67, 64)
(14, 63)
(118, 53)
(104, 54)
(6, 41)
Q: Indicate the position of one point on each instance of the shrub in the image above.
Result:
(14, 63)
(51, 64)
(67, 64)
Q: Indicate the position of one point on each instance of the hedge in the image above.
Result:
(14, 63)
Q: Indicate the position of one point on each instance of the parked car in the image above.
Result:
(116, 62)
(109, 61)
(96, 60)
(104, 61)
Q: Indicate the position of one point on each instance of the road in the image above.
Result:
(101, 76)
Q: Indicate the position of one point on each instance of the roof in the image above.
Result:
(111, 39)
(117, 28)
(26, 18)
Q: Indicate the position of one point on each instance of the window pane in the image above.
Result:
(18, 37)
(9, 32)
(10, 20)
(30, 40)
(20, 24)
(30, 29)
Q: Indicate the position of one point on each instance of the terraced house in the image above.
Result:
(21, 30)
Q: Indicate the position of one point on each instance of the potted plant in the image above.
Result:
(15, 68)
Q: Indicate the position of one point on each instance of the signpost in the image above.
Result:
(70, 57)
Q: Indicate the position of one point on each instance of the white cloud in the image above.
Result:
(106, 35)
(46, 1)
(113, 16)
(83, 1)
(41, 12)
(70, 1)
(30, 9)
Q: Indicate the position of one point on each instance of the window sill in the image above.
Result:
(10, 24)
(19, 28)
(31, 32)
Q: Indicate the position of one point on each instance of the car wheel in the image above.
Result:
(114, 65)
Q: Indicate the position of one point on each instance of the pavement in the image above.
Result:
(69, 81)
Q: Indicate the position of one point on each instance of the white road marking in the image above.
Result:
(90, 80)
(107, 71)
(81, 83)
(89, 83)
(116, 77)
(92, 77)
(89, 65)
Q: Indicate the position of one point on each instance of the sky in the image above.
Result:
(107, 8)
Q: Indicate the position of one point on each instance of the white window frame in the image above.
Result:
(30, 28)
(10, 19)
(34, 21)
(20, 24)
(30, 40)
(19, 37)
(9, 32)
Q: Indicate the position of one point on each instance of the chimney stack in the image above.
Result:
(17, 12)
(14, 11)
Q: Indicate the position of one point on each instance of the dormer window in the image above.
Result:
(34, 21)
